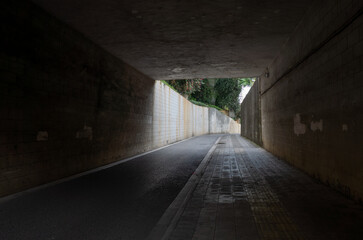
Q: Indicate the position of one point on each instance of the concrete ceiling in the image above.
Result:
(176, 39)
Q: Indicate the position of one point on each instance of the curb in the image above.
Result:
(171, 216)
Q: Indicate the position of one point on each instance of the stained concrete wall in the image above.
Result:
(251, 114)
(67, 106)
(175, 118)
(220, 123)
(312, 102)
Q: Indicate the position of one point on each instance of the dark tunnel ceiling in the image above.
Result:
(186, 39)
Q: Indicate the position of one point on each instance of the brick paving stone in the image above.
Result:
(247, 193)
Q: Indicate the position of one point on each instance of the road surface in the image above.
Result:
(121, 202)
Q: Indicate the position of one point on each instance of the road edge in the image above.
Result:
(81, 174)
(171, 216)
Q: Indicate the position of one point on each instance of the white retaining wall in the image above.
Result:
(175, 118)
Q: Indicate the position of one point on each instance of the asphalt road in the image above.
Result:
(121, 202)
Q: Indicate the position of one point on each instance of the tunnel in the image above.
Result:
(92, 146)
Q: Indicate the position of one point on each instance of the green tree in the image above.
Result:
(222, 92)
(186, 86)
(244, 82)
(228, 90)
(206, 94)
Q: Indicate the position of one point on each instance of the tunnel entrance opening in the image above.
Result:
(223, 94)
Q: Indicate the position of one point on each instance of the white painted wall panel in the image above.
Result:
(175, 118)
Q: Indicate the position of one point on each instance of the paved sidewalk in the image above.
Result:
(247, 193)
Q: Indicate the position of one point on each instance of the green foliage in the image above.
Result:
(244, 82)
(206, 94)
(186, 86)
(220, 93)
(228, 90)
(205, 105)
(167, 84)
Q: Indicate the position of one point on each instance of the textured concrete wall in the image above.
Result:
(312, 103)
(66, 105)
(175, 118)
(220, 123)
(174, 40)
(200, 120)
(251, 114)
(234, 127)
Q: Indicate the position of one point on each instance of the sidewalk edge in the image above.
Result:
(171, 216)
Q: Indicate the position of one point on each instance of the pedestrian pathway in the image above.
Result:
(247, 193)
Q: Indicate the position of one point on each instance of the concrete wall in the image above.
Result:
(67, 106)
(251, 114)
(175, 118)
(220, 123)
(312, 102)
